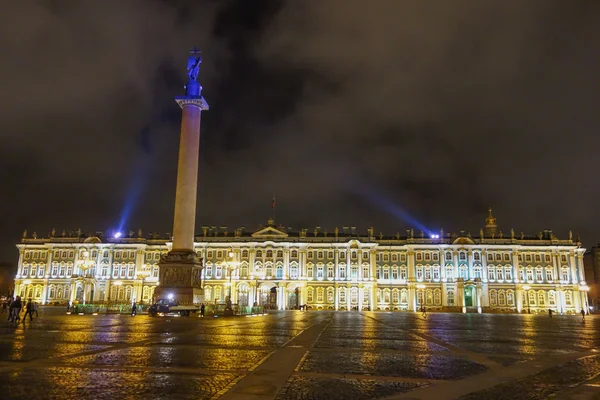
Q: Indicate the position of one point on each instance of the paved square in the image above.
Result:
(301, 355)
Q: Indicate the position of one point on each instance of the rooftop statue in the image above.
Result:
(193, 66)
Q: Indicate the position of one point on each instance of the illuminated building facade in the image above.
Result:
(339, 270)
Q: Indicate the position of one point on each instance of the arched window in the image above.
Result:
(330, 293)
(491, 273)
(128, 292)
(501, 298)
(279, 271)
(419, 272)
(429, 297)
(309, 295)
(532, 297)
(52, 292)
(320, 293)
(293, 270)
(493, 298)
(403, 296)
(208, 293)
(294, 253)
(395, 296)
(552, 298)
(342, 295)
(510, 297)
(541, 298)
(437, 297)
(217, 293)
(244, 253)
(269, 253)
(279, 253)
(386, 295)
(568, 298)
(354, 295)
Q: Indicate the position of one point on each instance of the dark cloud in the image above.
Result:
(342, 108)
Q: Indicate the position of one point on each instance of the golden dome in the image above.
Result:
(490, 220)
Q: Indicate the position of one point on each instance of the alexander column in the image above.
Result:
(180, 269)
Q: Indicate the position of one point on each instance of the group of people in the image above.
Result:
(14, 309)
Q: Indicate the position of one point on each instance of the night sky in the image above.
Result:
(389, 114)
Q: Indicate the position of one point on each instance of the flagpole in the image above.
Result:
(273, 208)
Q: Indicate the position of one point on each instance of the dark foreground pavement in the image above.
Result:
(296, 355)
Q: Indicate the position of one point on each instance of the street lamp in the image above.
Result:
(526, 288)
(230, 267)
(421, 288)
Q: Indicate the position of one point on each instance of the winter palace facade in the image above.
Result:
(340, 270)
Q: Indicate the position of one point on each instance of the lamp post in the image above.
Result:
(421, 289)
(230, 265)
(526, 288)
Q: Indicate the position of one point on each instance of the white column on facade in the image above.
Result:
(252, 270)
(336, 297)
(372, 265)
(410, 262)
(484, 266)
(73, 292)
(444, 294)
(574, 279)
(286, 263)
(251, 293)
(360, 296)
(442, 257)
(576, 297)
(45, 291)
(360, 257)
(519, 299)
(372, 298)
(479, 292)
(555, 266)
(580, 267)
(412, 298)
(107, 290)
(348, 297)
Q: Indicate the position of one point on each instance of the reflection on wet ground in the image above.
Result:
(355, 356)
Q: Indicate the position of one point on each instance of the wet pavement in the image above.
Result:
(301, 355)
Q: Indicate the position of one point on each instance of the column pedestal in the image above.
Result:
(180, 276)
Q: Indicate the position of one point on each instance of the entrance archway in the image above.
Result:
(267, 296)
(242, 297)
(469, 296)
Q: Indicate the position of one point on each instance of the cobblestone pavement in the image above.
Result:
(302, 355)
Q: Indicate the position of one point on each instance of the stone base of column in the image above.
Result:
(181, 277)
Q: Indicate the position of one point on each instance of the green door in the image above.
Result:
(469, 297)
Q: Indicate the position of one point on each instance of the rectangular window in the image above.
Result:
(365, 273)
(330, 272)
(549, 275)
(386, 273)
(394, 273)
(508, 274)
(403, 273)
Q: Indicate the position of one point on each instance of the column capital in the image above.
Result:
(185, 101)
